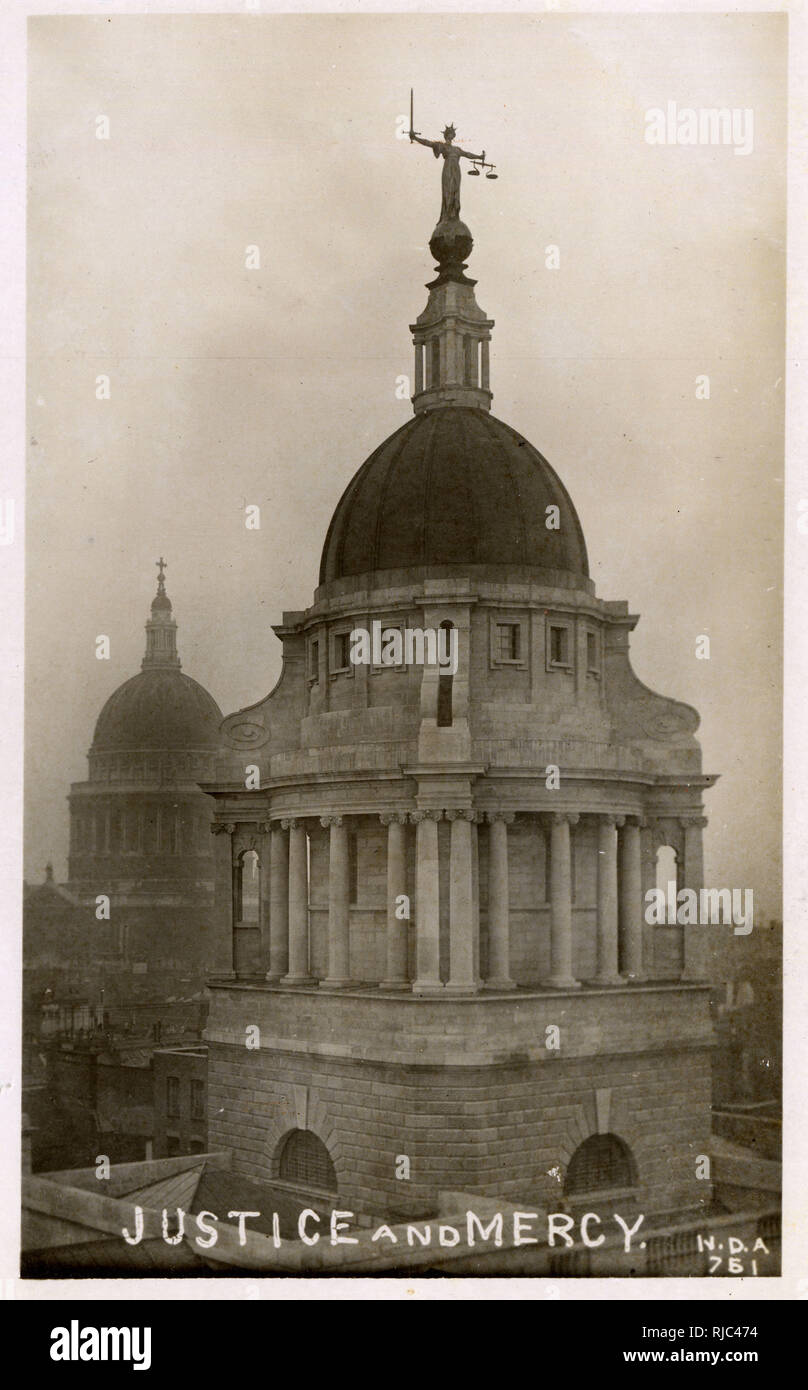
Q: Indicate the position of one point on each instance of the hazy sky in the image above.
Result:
(232, 386)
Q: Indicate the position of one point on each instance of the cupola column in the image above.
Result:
(561, 976)
(631, 903)
(607, 972)
(338, 907)
(427, 904)
(463, 919)
(298, 905)
(278, 902)
(693, 877)
(397, 925)
(499, 946)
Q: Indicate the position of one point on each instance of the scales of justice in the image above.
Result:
(451, 241)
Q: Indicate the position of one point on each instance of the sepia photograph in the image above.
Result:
(402, 858)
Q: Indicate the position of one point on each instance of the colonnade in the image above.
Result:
(619, 909)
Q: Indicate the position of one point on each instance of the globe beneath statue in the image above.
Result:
(451, 244)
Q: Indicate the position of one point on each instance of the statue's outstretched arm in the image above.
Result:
(466, 154)
(419, 139)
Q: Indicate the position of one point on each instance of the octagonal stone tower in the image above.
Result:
(446, 955)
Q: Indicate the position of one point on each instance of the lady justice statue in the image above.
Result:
(451, 241)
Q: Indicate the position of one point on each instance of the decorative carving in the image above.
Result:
(572, 817)
(507, 816)
(327, 821)
(460, 813)
(290, 824)
(220, 828)
(394, 817)
(698, 822)
(417, 816)
(243, 733)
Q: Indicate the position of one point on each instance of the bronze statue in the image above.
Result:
(452, 155)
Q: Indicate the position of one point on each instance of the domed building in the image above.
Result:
(139, 825)
(447, 958)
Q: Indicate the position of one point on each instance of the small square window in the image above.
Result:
(592, 653)
(508, 642)
(559, 646)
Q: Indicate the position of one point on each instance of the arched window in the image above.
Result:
(305, 1161)
(248, 887)
(667, 867)
(445, 682)
(601, 1163)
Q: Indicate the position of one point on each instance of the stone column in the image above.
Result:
(499, 930)
(484, 366)
(419, 368)
(462, 917)
(224, 905)
(338, 921)
(561, 976)
(278, 902)
(631, 901)
(396, 973)
(298, 973)
(427, 904)
(607, 972)
(692, 876)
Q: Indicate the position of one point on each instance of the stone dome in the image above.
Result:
(159, 708)
(456, 487)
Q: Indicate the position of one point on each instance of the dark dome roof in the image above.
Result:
(159, 708)
(454, 486)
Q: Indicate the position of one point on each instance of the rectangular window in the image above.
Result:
(559, 647)
(172, 1145)
(592, 653)
(172, 1095)
(508, 642)
(341, 652)
(314, 661)
(197, 1100)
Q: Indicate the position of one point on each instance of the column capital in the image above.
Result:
(460, 813)
(263, 827)
(610, 819)
(417, 817)
(508, 817)
(328, 821)
(693, 822)
(291, 823)
(218, 828)
(394, 817)
(571, 817)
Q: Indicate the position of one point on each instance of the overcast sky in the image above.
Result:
(232, 386)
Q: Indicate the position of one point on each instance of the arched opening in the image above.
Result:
(305, 1161)
(667, 867)
(445, 683)
(246, 913)
(603, 1163)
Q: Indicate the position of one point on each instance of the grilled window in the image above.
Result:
(508, 642)
(305, 1160)
(601, 1163)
